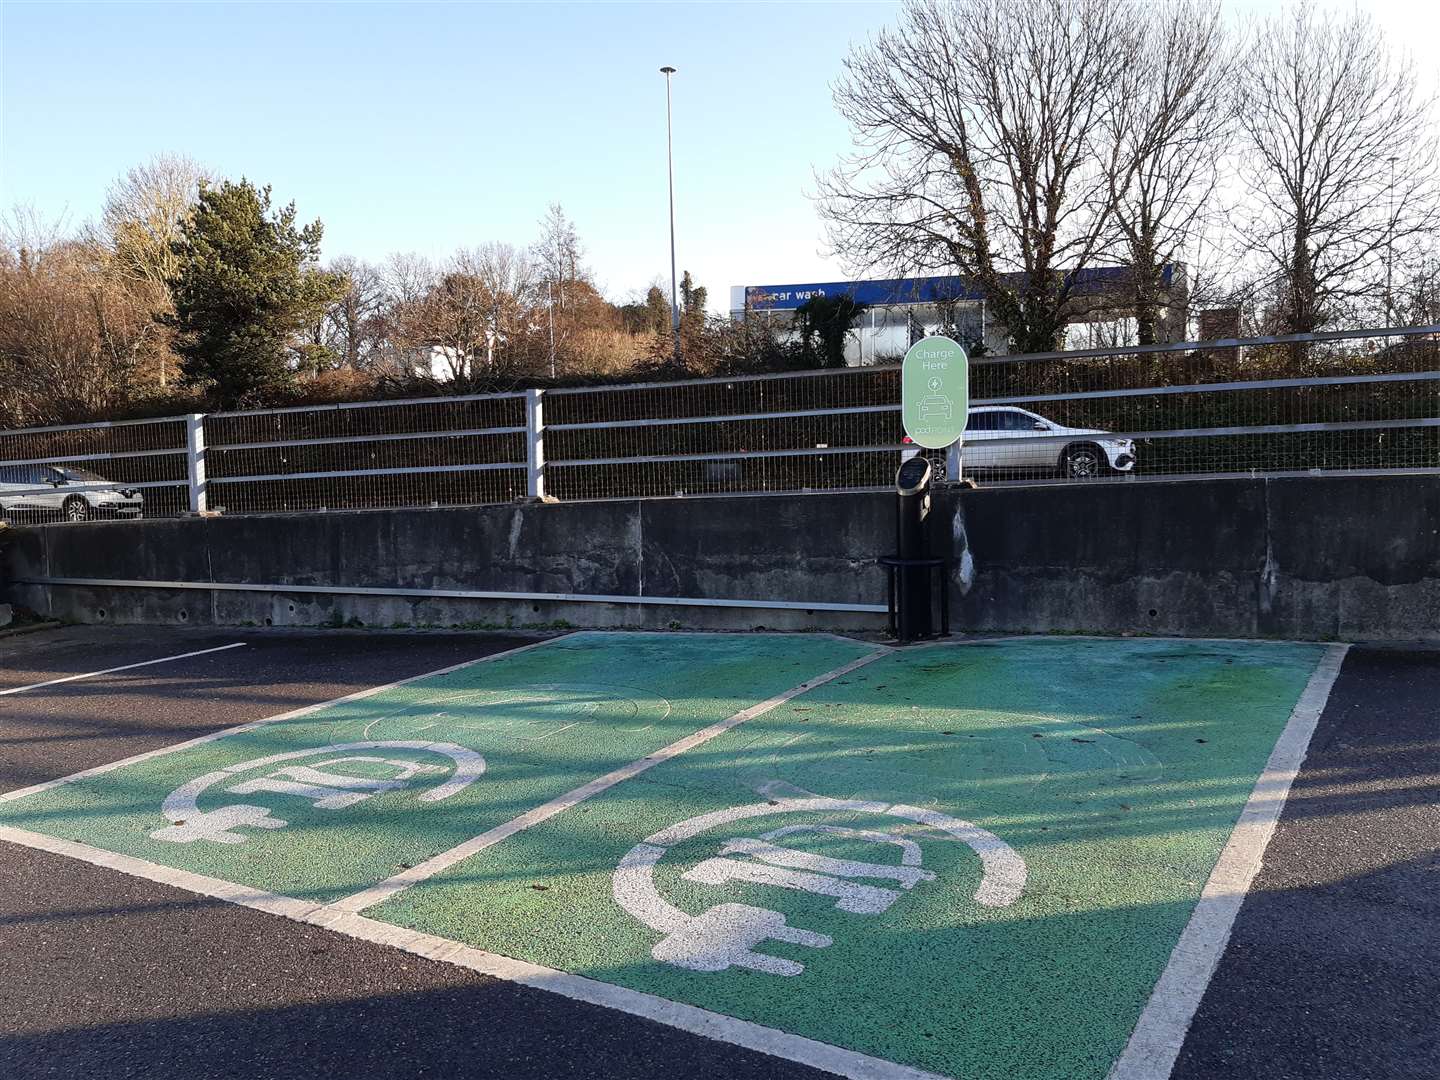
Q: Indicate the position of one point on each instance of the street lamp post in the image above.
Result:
(667, 71)
(1390, 250)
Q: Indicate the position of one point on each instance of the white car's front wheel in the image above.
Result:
(76, 509)
(1083, 461)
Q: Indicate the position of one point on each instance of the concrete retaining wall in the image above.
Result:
(1323, 558)
(741, 549)
(1319, 558)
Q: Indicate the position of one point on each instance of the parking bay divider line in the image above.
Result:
(398, 883)
(122, 667)
(293, 714)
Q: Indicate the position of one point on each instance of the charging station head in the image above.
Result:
(914, 476)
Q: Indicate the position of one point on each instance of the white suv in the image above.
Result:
(1003, 438)
(64, 491)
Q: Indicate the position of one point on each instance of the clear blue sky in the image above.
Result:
(425, 127)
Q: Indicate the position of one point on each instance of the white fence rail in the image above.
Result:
(1354, 401)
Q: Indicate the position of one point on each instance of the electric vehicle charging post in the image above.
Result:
(934, 403)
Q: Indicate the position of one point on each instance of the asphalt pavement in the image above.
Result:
(57, 730)
(106, 975)
(1333, 969)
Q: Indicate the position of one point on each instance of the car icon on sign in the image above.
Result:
(935, 407)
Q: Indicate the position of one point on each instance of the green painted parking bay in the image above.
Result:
(973, 860)
(329, 803)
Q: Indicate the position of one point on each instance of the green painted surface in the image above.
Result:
(545, 721)
(1116, 770)
(935, 392)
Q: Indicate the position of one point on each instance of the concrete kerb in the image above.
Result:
(30, 628)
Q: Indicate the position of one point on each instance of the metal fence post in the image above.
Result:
(195, 461)
(952, 462)
(534, 444)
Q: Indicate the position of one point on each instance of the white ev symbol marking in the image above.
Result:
(859, 899)
(325, 790)
(725, 935)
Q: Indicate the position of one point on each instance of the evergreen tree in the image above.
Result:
(659, 309)
(246, 288)
(830, 319)
(692, 306)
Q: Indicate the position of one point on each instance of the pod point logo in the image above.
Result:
(726, 935)
(332, 784)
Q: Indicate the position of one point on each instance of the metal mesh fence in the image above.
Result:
(1332, 405)
(78, 472)
(432, 452)
(802, 431)
(1160, 413)
(1369, 401)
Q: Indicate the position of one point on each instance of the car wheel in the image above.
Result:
(1084, 461)
(76, 509)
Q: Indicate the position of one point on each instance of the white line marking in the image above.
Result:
(122, 667)
(165, 875)
(98, 770)
(674, 1014)
(711, 1025)
(1159, 1033)
(430, 867)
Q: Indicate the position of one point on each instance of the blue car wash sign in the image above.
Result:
(935, 392)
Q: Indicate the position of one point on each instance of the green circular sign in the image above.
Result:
(935, 392)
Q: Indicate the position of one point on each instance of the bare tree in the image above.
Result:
(403, 342)
(1173, 113)
(408, 277)
(454, 320)
(138, 227)
(352, 326)
(142, 215)
(506, 278)
(476, 314)
(1417, 299)
(1341, 163)
(557, 256)
(979, 131)
(558, 252)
